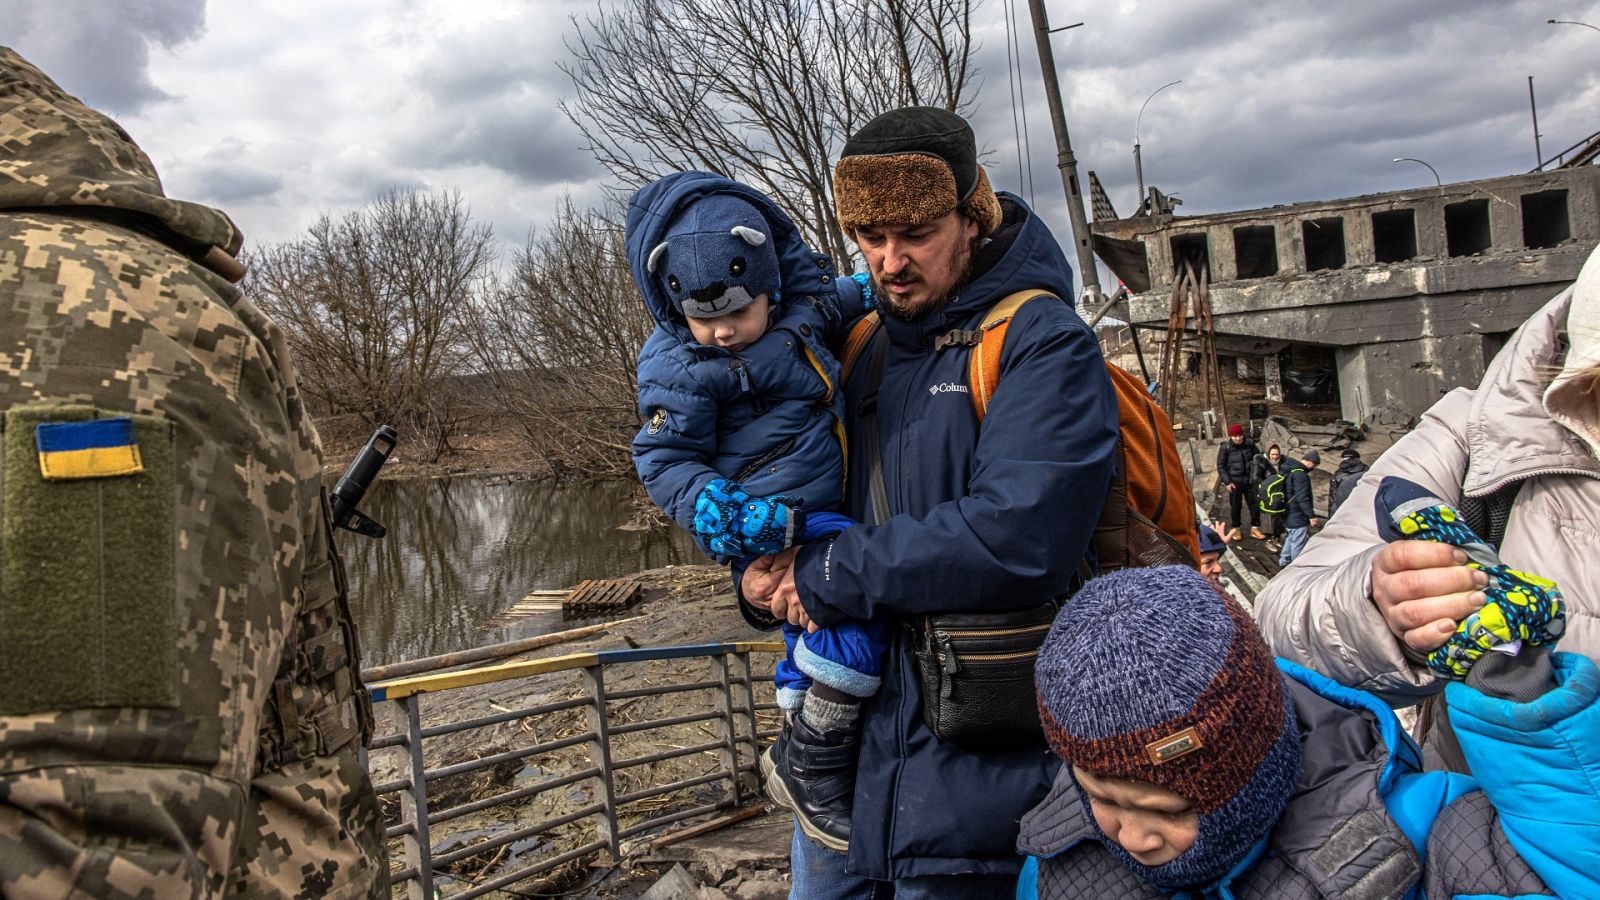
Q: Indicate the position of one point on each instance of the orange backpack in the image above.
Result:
(1148, 517)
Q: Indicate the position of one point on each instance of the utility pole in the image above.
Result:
(1538, 154)
(1066, 162)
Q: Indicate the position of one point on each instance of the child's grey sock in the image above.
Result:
(829, 710)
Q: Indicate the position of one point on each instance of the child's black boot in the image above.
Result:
(814, 774)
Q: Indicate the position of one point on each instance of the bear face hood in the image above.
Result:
(653, 209)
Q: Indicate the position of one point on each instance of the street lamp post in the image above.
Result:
(1138, 165)
(1436, 182)
(1565, 22)
(1065, 160)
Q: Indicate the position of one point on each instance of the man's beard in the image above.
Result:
(894, 310)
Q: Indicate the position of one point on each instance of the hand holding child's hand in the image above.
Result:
(762, 578)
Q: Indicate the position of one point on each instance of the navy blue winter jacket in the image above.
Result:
(985, 518)
(768, 416)
(1297, 486)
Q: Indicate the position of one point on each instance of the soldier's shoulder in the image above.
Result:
(92, 247)
(104, 295)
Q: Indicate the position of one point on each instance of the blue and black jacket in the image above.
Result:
(769, 416)
(1534, 830)
(985, 518)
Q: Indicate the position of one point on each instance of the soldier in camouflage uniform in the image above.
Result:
(180, 710)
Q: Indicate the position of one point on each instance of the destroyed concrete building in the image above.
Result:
(1404, 295)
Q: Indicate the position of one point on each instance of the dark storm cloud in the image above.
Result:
(521, 133)
(100, 54)
(225, 175)
(492, 98)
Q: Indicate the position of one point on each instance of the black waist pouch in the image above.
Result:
(977, 676)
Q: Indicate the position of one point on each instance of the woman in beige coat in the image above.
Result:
(1365, 612)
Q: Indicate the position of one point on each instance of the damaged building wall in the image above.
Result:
(1412, 290)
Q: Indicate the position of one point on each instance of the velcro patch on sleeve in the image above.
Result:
(99, 448)
(88, 590)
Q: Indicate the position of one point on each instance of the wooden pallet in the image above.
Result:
(603, 595)
(534, 604)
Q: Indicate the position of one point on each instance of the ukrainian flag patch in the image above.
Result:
(97, 448)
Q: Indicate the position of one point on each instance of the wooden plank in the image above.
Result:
(493, 651)
(604, 595)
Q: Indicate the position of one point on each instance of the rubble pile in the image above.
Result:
(1291, 434)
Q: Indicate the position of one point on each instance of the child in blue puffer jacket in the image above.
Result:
(743, 441)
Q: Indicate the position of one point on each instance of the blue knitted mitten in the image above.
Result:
(1521, 607)
(716, 518)
(769, 524)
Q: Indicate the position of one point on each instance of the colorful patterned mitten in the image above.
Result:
(769, 524)
(869, 297)
(1522, 607)
(716, 518)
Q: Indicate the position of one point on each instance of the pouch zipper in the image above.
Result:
(950, 660)
(993, 632)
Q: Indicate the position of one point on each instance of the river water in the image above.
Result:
(460, 550)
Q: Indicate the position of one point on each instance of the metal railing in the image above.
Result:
(593, 756)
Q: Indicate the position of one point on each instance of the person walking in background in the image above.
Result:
(1214, 540)
(1271, 488)
(181, 706)
(1236, 470)
(1301, 516)
(1345, 478)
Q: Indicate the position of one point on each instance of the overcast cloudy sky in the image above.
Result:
(278, 112)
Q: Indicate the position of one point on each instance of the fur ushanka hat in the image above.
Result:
(911, 166)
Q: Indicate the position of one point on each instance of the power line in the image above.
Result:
(1022, 91)
(1013, 74)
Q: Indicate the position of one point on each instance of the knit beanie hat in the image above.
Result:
(911, 166)
(1155, 675)
(1235, 430)
(716, 257)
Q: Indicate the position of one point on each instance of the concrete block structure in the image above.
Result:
(1412, 291)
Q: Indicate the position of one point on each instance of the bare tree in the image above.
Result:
(375, 305)
(557, 345)
(761, 90)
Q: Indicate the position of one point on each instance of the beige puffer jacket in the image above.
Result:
(1524, 422)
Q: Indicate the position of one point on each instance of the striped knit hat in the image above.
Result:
(1155, 675)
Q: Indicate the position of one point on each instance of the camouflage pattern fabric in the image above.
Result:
(239, 776)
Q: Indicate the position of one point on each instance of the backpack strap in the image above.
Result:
(856, 342)
(983, 366)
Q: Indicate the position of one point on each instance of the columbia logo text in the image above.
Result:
(947, 388)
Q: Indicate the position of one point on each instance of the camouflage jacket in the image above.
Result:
(179, 704)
